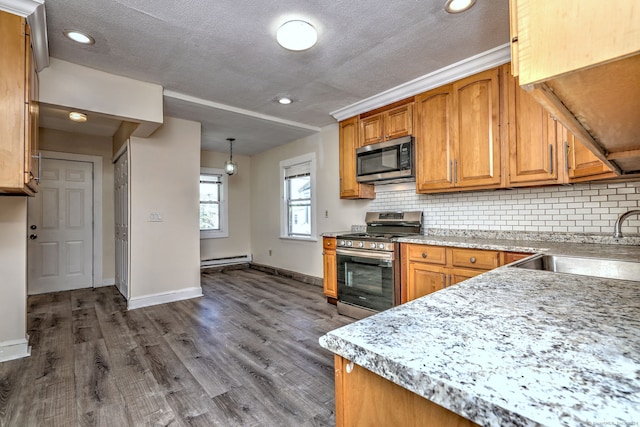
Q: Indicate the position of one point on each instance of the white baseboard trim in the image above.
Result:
(165, 297)
(205, 263)
(14, 349)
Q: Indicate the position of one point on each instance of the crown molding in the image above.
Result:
(467, 67)
(36, 16)
(23, 8)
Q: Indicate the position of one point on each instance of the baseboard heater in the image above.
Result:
(232, 260)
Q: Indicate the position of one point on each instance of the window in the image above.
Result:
(298, 197)
(213, 203)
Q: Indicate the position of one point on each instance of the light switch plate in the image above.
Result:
(155, 217)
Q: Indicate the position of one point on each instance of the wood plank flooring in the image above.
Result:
(246, 354)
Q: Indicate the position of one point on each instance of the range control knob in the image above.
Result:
(341, 243)
(381, 245)
(361, 244)
(372, 245)
(349, 243)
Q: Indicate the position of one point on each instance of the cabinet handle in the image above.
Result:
(39, 157)
(450, 171)
(328, 243)
(550, 159)
(455, 171)
(386, 136)
(514, 39)
(424, 254)
(472, 260)
(567, 150)
(349, 367)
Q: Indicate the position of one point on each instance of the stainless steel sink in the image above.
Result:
(595, 267)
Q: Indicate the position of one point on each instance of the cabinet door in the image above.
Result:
(349, 186)
(582, 164)
(533, 151)
(31, 156)
(423, 280)
(434, 162)
(330, 280)
(476, 131)
(457, 275)
(398, 122)
(372, 129)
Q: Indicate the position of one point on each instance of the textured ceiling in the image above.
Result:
(225, 51)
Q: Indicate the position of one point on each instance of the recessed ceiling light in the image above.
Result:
(457, 6)
(285, 100)
(79, 37)
(77, 117)
(296, 35)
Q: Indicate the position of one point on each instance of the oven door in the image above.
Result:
(366, 278)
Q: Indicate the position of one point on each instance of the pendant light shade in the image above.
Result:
(230, 167)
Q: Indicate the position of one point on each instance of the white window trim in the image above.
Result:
(224, 205)
(284, 232)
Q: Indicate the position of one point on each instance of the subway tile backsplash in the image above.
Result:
(589, 208)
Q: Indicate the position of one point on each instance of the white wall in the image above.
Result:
(70, 85)
(13, 277)
(60, 141)
(165, 173)
(239, 205)
(300, 256)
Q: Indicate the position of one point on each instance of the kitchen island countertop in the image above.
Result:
(513, 347)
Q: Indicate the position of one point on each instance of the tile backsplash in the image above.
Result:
(579, 208)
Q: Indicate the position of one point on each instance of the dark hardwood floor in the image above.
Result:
(246, 354)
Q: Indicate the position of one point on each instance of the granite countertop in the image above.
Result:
(513, 347)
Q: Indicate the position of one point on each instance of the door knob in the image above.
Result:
(33, 227)
(33, 236)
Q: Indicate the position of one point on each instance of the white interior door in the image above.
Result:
(60, 248)
(121, 215)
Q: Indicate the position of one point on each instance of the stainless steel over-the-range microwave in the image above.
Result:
(386, 162)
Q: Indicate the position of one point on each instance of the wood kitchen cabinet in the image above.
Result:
(426, 268)
(19, 108)
(364, 398)
(350, 188)
(391, 123)
(532, 138)
(581, 61)
(458, 135)
(580, 163)
(330, 282)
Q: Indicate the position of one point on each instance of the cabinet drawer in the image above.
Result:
(329, 243)
(475, 258)
(427, 254)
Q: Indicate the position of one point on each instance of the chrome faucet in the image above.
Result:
(617, 232)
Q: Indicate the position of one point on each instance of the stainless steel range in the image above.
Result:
(368, 263)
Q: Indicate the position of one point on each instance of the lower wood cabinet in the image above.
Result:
(366, 399)
(330, 283)
(427, 268)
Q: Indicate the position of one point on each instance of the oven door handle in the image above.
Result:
(387, 256)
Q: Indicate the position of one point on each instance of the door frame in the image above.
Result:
(96, 206)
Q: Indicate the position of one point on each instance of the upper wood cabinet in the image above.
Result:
(350, 188)
(458, 135)
(581, 61)
(18, 108)
(531, 138)
(580, 163)
(383, 126)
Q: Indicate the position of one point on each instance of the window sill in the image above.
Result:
(213, 234)
(302, 239)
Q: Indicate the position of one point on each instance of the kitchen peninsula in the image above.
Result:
(511, 347)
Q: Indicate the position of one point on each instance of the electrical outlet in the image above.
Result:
(270, 251)
(155, 217)
(326, 214)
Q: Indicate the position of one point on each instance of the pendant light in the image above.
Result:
(230, 167)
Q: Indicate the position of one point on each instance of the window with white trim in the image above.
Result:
(213, 203)
(297, 177)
